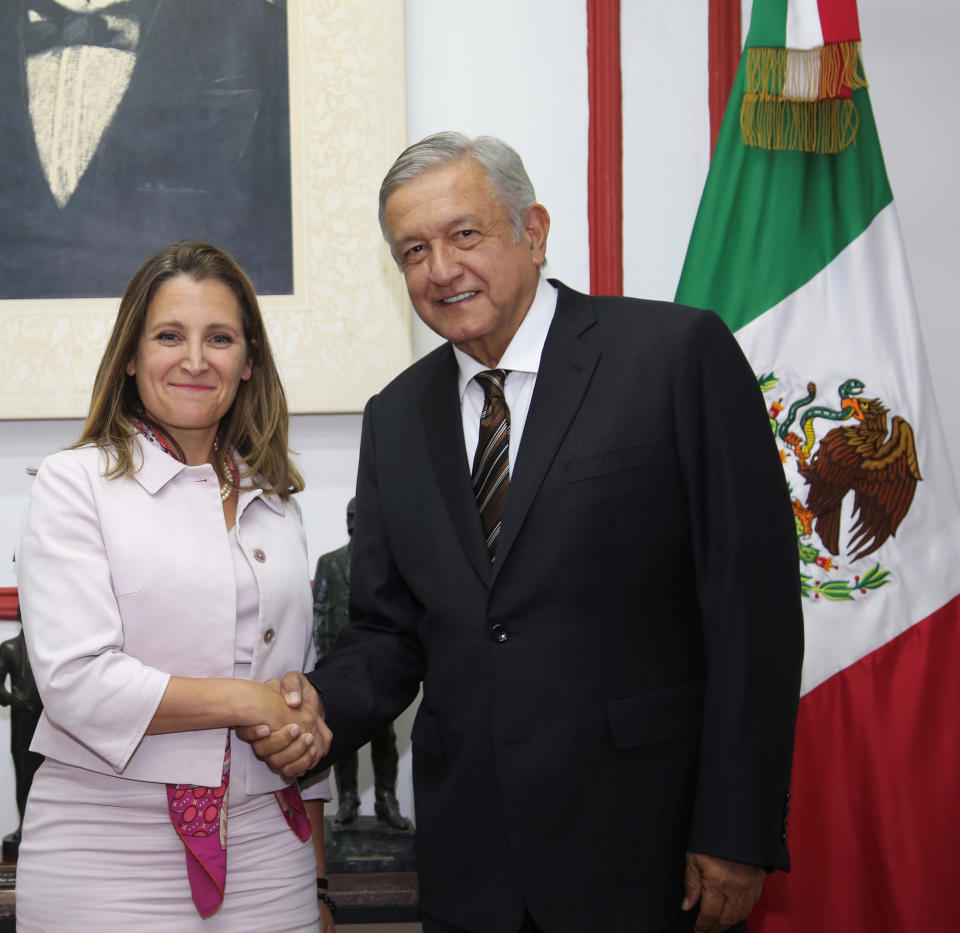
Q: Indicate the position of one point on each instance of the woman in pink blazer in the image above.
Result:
(163, 578)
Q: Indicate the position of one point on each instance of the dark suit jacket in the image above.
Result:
(621, 685)
(199, 147)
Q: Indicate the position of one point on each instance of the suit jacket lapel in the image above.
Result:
(443, 426)
(566, 367)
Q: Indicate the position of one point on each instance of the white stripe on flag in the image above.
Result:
(802, 78)
(856, 320)
(803, 25)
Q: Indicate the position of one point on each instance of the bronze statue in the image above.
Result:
(25, 708)
(331, 596)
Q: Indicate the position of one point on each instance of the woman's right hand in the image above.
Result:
(291, 735)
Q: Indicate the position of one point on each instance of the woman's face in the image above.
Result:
(190, 360)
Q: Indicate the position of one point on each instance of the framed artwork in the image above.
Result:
(262, 126)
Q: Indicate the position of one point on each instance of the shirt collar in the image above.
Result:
(248, 495)
(525, 349)
(154, 468)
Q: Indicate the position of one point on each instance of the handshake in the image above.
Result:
(293, 748)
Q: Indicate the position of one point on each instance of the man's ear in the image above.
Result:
(536, 226)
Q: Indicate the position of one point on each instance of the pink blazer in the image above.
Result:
(126, 582)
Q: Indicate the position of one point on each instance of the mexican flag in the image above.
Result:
(798, 247)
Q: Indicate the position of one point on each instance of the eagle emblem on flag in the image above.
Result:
(864, 458)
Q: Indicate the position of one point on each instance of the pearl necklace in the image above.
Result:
(231, 475)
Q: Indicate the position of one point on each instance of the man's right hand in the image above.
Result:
(289, 751)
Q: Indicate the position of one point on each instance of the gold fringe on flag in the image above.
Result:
(822, 126)
(798, 99)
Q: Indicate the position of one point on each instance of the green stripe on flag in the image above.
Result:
(768, 25)
(770, 221)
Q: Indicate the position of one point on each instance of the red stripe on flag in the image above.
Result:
(839, 21)
(831, 80)
(876, 805)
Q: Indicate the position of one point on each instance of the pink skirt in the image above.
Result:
(99, 853)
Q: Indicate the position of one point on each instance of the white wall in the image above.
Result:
(908, 52)
(518, 70)
(666, 139)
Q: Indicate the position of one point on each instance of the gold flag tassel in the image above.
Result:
(793, 98)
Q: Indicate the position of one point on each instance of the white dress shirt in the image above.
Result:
(522, 360)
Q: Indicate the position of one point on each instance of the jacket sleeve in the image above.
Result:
(375, 669)
(748, 588)
(90, 688)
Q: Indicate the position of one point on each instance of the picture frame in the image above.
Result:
(344, 331)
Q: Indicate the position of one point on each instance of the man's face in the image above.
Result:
(468, 279)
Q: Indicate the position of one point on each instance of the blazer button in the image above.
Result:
(268, 636)
(498, 632)
(259, 555)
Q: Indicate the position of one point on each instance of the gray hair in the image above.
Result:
(504, 168)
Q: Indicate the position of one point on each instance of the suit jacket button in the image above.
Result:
(259, 555)
(268, 636)
(498, 632)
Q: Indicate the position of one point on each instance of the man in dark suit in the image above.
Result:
(610, 662)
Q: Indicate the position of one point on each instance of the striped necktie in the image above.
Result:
(491, 463)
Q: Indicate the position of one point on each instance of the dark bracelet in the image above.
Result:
(329, 901)
(322, 883)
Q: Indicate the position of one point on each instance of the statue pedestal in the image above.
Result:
(367, 845)
(8, 896)
(372, 871)
(11, 846)
(373, 897)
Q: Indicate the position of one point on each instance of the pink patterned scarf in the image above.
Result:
(199, 815)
